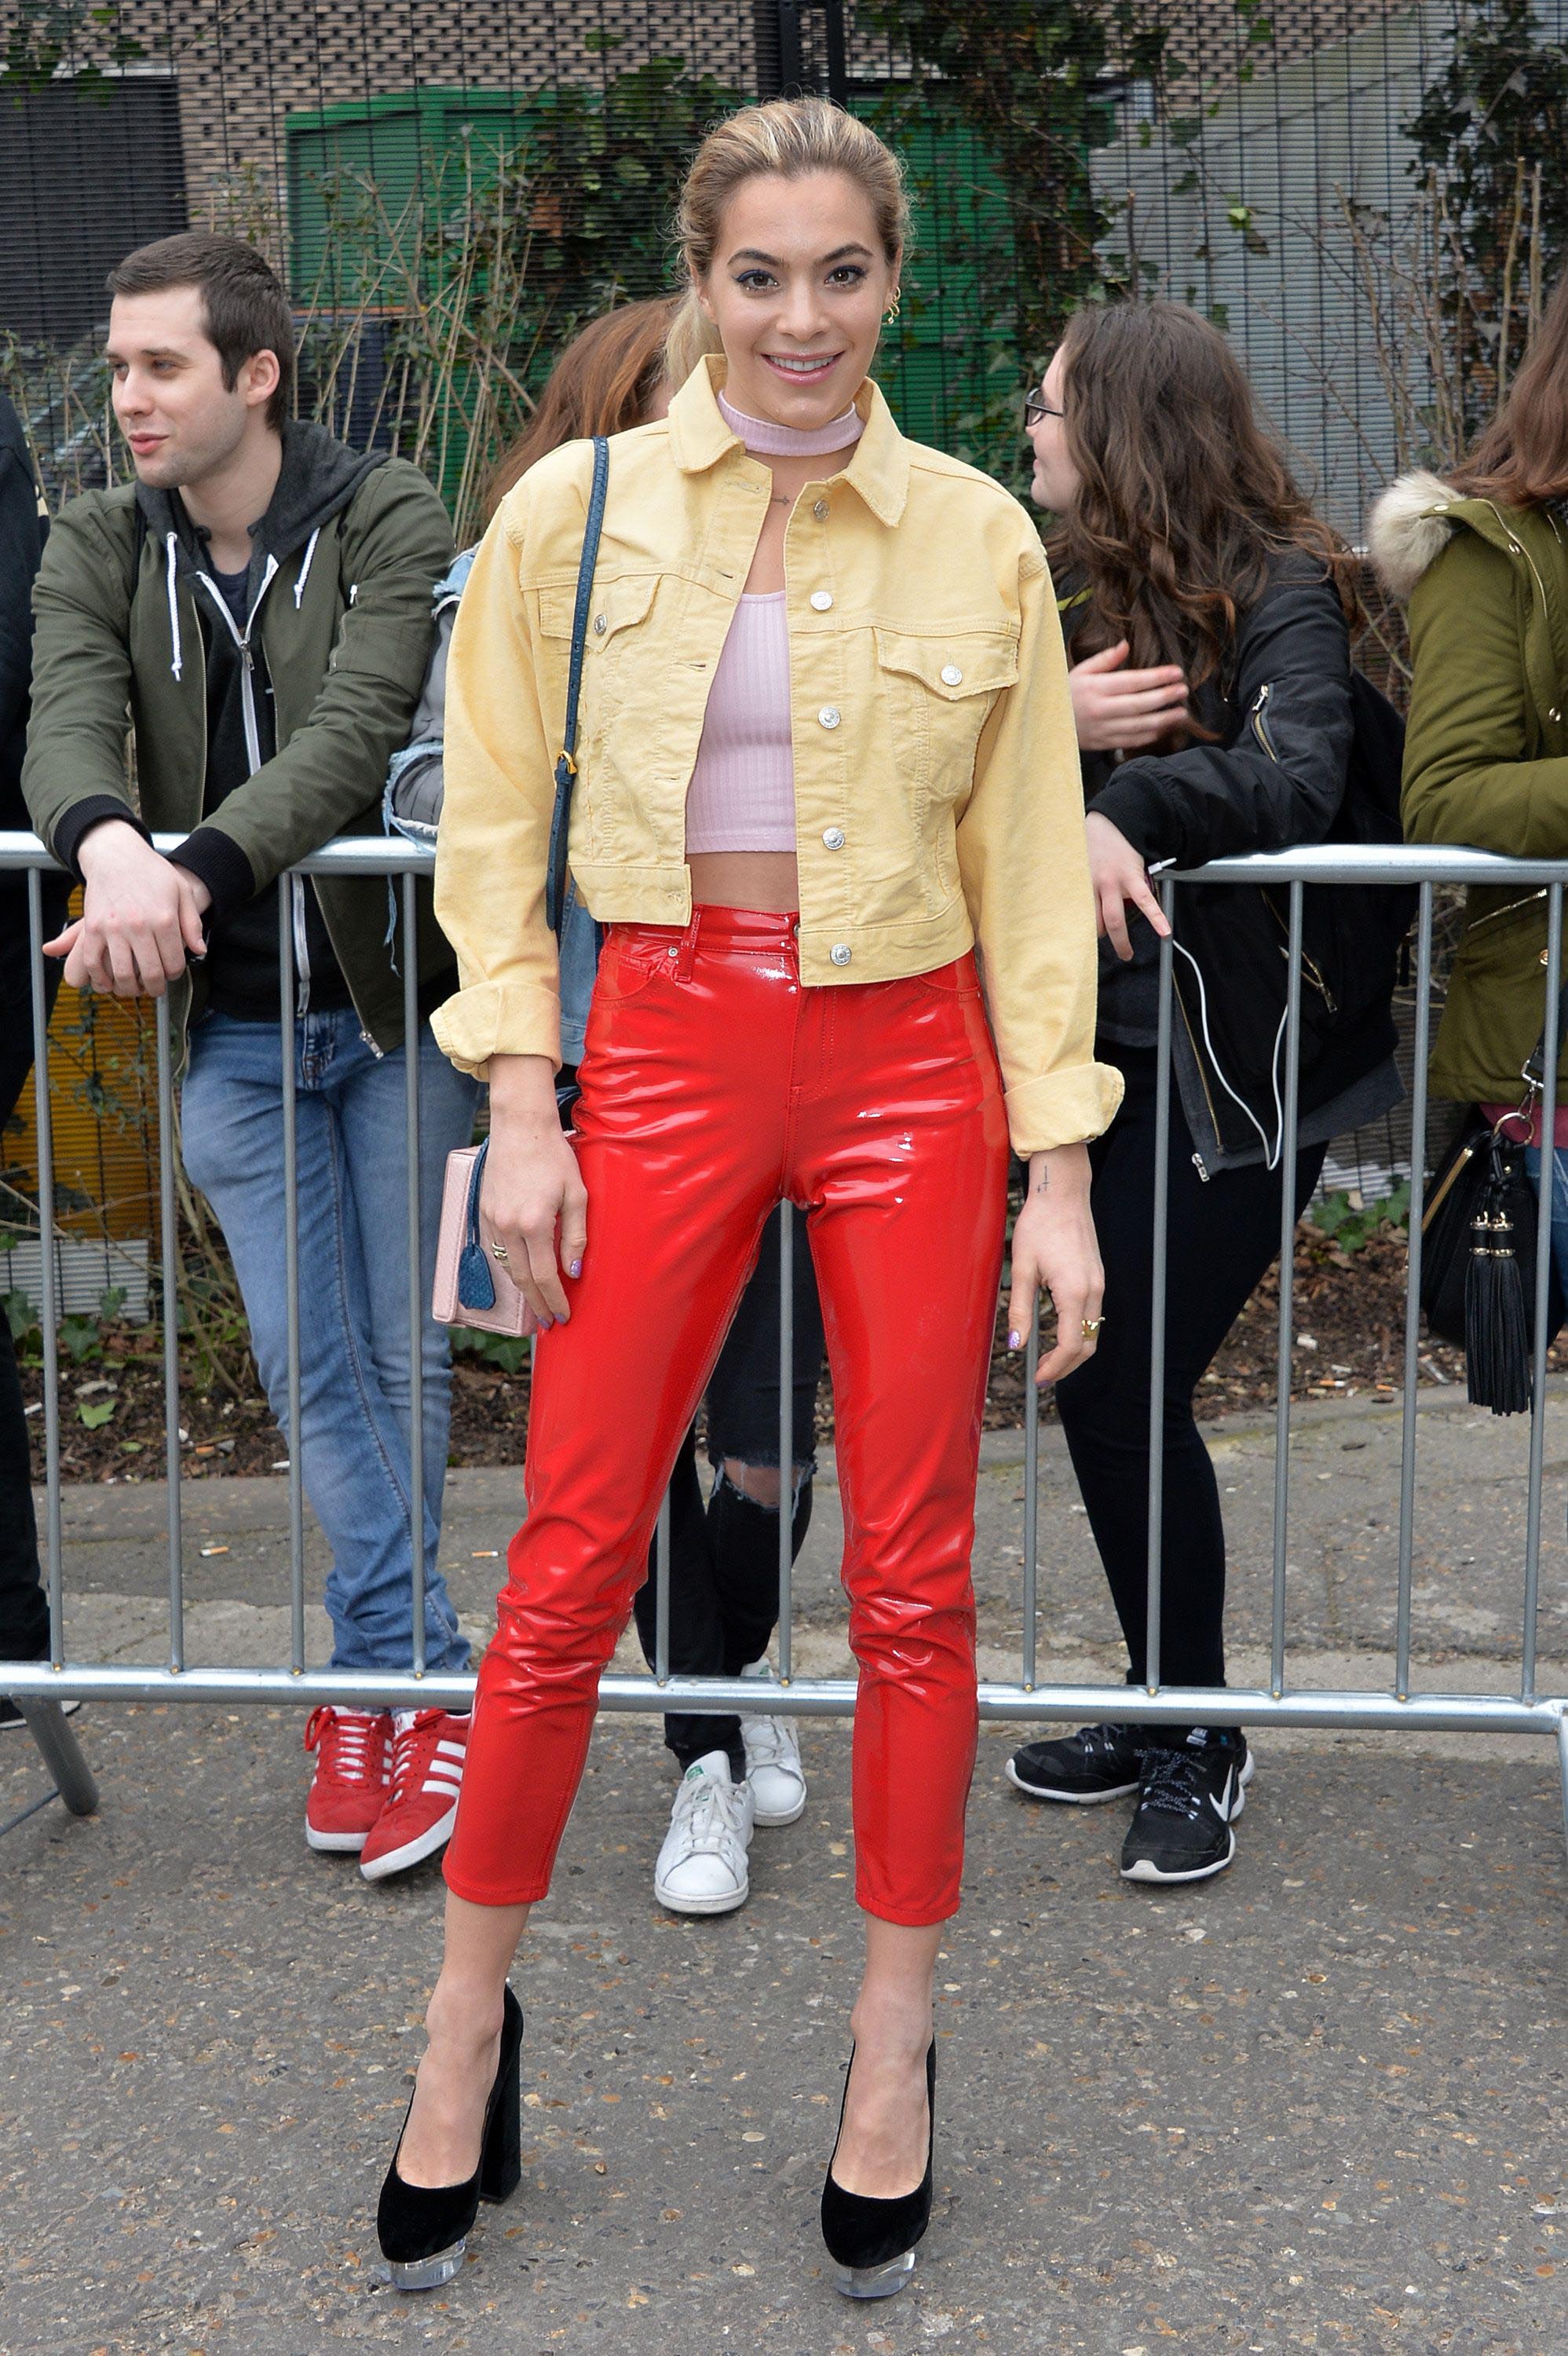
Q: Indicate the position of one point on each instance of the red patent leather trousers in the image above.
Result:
(714, 1085)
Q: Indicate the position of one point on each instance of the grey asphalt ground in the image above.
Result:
(1317, 2104)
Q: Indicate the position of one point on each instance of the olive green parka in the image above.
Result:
(1485, 760)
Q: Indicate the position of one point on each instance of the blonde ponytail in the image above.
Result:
(691, 333)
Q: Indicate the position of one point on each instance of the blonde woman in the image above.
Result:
(826, 755)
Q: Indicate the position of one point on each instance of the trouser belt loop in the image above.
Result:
(688, 947)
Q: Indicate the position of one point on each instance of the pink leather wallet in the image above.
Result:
(472, 1286)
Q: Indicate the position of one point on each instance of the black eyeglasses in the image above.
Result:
(1036, 406)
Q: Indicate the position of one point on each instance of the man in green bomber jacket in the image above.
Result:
(258, 604)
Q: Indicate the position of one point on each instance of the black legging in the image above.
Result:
(724, 1553)
(1223, 1235)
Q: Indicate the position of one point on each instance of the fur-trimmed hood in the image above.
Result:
(1409, 528)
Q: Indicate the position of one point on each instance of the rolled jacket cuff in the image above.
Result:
(216, 860)
(489, 1019)
(1062, 1109)
(73, 827)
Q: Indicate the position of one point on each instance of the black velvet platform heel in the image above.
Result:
(424, 2229)
(872, 2242)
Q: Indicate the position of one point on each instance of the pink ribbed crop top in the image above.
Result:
(742, 794)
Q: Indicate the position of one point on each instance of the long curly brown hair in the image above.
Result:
(1184, 499)
(1521, 457)
(602, 383)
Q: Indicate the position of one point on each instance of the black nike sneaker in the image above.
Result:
(1191, 1798)
(1098, 1762)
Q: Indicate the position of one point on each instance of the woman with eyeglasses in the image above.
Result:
(1208, 615)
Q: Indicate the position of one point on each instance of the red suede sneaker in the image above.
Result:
(428, 1750)
(353, 1767)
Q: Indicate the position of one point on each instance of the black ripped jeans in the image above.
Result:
(724, 1553)
(1223, 1236)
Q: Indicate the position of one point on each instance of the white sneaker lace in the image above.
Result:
(770, 1742)
(708, 1815)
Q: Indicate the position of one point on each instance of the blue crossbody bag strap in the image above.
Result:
(566, 766)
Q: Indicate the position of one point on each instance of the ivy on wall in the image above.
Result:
(1038, 86)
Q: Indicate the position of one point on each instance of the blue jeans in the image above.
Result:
(354, 1360)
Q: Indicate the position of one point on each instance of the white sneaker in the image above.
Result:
(701, 1867)
(773, 1762)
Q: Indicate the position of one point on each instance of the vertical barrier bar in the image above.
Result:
(1156, 1548)
(1412, 1294)
(48, 1307)
(292, 1269)
(1542, 1289)
(787, 1439)
(416, 1267)
(1031, 1500)
(661, 1595)
(1286, 1166)
(168, 1247)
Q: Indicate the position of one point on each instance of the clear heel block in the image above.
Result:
(426, 2274)
(875, 2282)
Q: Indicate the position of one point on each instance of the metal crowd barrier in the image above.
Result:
(1402, 1707)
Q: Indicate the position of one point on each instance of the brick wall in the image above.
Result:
(243, 65)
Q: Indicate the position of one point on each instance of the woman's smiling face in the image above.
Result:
(798, 287)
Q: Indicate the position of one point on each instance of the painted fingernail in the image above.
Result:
(546, 1322)
(1013, 1341)
(576, 1269)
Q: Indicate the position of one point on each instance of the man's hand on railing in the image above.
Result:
(1120, 879)
(141, 917)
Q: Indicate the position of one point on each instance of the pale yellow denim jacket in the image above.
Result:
(937, 794)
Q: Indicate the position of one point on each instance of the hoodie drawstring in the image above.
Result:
(305, 568)
(170, 543)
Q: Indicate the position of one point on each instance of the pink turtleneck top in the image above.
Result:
(742, 794)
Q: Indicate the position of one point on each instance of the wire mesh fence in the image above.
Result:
(1362, 193)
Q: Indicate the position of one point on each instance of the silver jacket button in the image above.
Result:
(819, 509)
(839, 953)
(599, 625)
(951, 675)
(833, 836)
(820, 601)
(830, 716)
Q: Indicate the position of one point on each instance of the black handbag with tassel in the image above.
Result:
(1478, 1252)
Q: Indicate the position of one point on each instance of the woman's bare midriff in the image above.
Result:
(745, 879)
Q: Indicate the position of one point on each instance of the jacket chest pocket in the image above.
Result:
(939, 692)
(618, 613)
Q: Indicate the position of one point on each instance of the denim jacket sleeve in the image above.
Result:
(1024, 870)
(494, 842)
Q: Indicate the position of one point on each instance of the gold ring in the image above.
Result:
(499, 1250)
(1092, 1326)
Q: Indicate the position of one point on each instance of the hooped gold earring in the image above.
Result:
(892, 313)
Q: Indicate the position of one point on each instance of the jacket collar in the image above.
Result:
(879, 469)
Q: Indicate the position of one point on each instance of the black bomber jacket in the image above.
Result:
(1280, 770)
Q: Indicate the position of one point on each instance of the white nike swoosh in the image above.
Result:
(1221, 1806)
